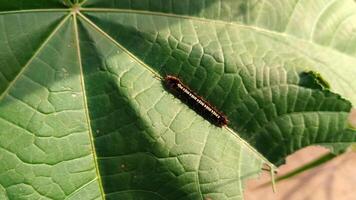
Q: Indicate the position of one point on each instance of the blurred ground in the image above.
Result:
(335, 180)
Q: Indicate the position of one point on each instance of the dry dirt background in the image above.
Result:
(335, 180)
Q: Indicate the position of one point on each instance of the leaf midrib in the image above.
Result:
(86, 108)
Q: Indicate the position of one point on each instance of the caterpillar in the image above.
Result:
(194, 101)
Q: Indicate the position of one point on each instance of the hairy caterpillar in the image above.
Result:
(201, 106)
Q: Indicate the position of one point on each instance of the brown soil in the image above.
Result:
(335, 180)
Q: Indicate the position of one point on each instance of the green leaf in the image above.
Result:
(84, 115)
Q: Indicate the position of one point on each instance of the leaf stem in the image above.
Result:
(315, 163)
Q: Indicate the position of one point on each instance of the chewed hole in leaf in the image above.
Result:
(313, 80)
